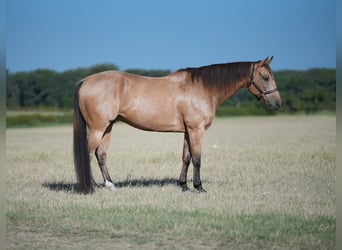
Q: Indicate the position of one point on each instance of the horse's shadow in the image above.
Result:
(61, 186)
(133, 183)
(146, 182)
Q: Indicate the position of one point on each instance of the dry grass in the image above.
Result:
(270, 181)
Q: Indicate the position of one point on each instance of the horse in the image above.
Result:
(184, 101)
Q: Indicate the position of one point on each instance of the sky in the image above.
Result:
(151, 34)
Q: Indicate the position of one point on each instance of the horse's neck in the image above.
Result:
(221, 95)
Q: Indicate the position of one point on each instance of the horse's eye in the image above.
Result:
(266, 78)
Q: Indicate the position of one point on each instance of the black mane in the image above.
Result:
(219, 75)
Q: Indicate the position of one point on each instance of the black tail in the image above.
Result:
(81, 153)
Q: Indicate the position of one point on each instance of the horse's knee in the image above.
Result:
(186, 159)
(196, 161)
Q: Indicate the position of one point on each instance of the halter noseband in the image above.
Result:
(261, 92)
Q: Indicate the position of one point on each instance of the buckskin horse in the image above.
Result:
(184, 101)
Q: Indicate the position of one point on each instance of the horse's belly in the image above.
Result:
(153, 118)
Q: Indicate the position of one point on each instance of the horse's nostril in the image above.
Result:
(274, 106)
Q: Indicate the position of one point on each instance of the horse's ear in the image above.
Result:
(268, 60)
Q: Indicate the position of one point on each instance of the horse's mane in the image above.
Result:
(219, 75)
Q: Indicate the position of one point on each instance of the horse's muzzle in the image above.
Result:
(274, 105)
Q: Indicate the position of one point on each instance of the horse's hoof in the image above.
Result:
(109, 185)
(200, 189)
(185, 189)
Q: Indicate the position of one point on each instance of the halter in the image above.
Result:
(261, 92)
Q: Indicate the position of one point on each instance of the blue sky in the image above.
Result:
(151, 34)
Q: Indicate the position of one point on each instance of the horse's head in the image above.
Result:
(263, 86)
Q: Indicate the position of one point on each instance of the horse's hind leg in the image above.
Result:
(101, 156)
(98, 143)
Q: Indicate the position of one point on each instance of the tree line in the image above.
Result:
(301, 91)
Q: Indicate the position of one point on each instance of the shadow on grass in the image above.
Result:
(74, 187)
(61, 186)
(146, 182)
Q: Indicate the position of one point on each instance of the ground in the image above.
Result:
(270, 184)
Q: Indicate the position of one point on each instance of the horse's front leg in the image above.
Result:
(186, 162)
(196, 161)
(196, 136)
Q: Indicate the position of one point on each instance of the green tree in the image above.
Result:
(309, 91)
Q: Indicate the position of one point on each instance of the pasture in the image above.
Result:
(270, 184)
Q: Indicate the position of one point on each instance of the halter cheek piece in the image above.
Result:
(262, 93)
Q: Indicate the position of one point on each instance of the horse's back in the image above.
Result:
(101, 78)
(114, 79)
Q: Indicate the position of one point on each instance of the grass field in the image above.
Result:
(270, 184)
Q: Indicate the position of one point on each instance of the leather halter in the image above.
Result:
(262, 93)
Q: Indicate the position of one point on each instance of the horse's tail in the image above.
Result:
(81, 153)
